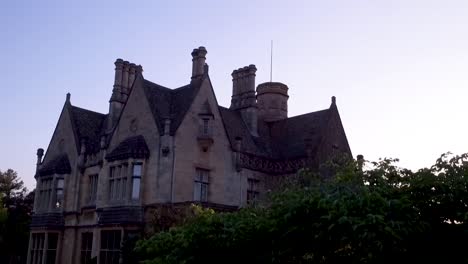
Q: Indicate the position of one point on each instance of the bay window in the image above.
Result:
(118, 182)
(43, 248)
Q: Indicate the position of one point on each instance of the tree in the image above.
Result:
(382, 214)
(17, 208)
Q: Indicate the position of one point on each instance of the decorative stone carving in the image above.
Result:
(271, 166)
(165, 151)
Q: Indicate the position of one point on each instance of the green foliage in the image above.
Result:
(15, 216)
(382, 214)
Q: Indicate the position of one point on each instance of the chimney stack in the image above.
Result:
(243, 96)
(125, 75)
(243, 87)
(198, 62)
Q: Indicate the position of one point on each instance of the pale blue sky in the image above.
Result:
(398, 68)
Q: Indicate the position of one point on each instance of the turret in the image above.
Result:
(272, 100)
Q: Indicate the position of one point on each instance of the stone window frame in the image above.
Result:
(118, 185)
(45, 193)
(201, 185)
(86, 248)
(136, 177)
(41, 251)
(253, 192)
(112, 251)
(59, 191)
(51, 193)
(130, 179)
(93, 180)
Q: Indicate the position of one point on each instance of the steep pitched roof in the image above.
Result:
(283, 139)
(59, 164)
(170, 103)
(236, 127)
(87, 124)
(132, 147)
(290, 136)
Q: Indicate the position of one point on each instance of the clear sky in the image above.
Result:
(398, 68)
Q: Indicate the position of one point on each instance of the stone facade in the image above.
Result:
(102, 174)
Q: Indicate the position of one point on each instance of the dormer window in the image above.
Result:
(205, 134)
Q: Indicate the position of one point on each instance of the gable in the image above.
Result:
(170, 103)
(63, 141)
(136, 119)
(336, 139)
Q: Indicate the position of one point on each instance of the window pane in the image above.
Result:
(204, 192)
(136, 169)
(60, 184)
(117, 189)
(136, 188)
(50, 257)
(52, 240)
(124, 189)
(111, 192)
(197, 191)
(205, 126)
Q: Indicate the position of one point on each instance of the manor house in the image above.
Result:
(102, 173)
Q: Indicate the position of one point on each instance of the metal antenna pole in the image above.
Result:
(271, 61)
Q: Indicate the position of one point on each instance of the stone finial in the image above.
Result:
(40, 154)
(67, 98)
(139, 69)
(333, 100)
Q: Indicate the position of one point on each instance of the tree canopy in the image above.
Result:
(15, 215)
(379, 214)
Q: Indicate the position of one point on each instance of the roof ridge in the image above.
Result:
(301, 115)
(161, 86)
(91, 111)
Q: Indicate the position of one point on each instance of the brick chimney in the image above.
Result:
(243, 96)
(198, 62)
